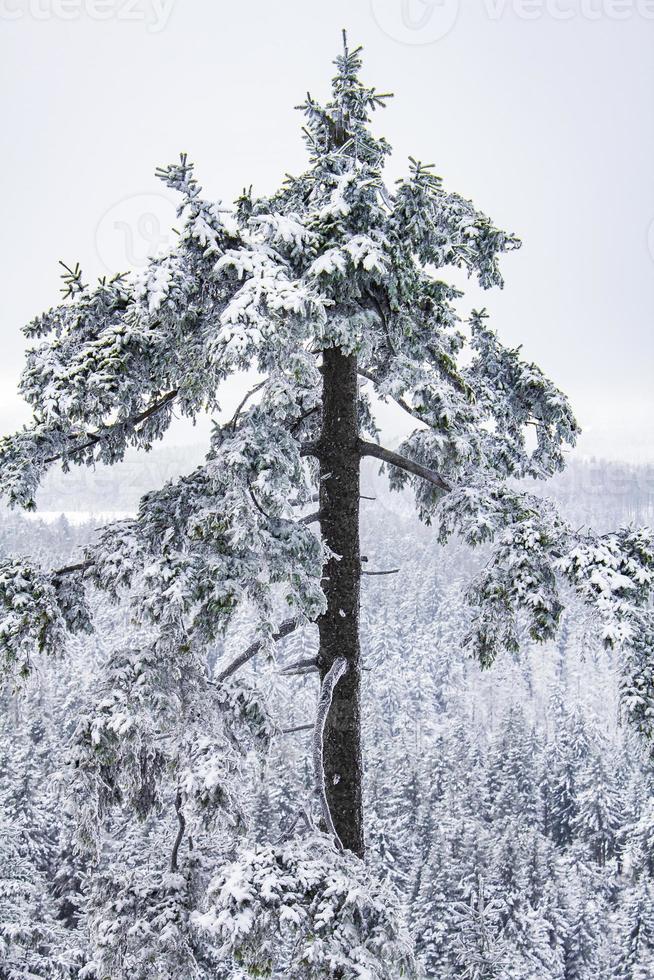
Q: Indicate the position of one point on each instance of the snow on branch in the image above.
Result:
(81, 566)
(300, 908)
(403, 463)
(305, 666)
(37, 613)
(333, 676)
(288, 626)
(369, 376)
(93, 438)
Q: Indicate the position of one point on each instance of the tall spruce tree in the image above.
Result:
(329, 289)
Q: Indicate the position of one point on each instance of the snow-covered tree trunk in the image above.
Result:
(338, 454)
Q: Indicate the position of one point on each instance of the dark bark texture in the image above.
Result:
(338, 454)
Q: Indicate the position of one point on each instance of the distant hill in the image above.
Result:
(598, 492)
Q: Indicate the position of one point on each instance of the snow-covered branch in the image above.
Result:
(332, 677)
(91, 439)
(402, 463)
(288, 626)
(304, 666)
(80, 566)
(404, 405)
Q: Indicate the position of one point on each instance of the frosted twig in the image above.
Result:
(93, 438)
(297, 728)
(300, 666)
(234, 419)
(257, 504)
(287, 627)
(81, 566)
(403, 463)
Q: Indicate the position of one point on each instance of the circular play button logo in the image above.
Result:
(416, 21)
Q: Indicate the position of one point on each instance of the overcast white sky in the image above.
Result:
(539, 111)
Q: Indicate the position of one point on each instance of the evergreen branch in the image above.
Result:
(403, 463)
(84, 566)
(302, 418)
(81, 566)
(331, 679)
(383, 318)
(369, 376)
(93, 438)
(241, 405)
(72, 280)
(257, 504)
(288, 626)
(300, 666)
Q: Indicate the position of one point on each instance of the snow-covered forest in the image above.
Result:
(511, 808)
